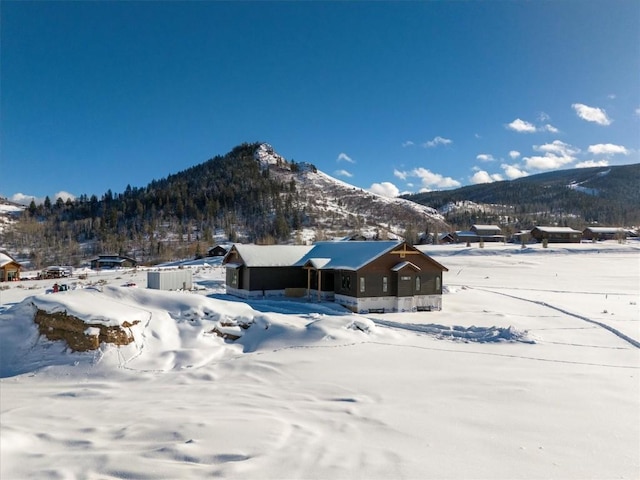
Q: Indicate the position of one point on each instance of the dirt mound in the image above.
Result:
(79, 335)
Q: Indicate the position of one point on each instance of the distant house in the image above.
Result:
(604, 233)
(384, 276)
(556, 234)
(217, 251)
(488, 233)
(465, 236)
(9, 268)
(113, 261)
(523, 236)
(446, 237)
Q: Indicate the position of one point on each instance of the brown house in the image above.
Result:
(217, 251)
(113, 261)
(387, 276)
(604, 233)
(556, 234)
(488, 233)
(9, 268)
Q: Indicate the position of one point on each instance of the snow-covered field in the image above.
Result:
(312, 391)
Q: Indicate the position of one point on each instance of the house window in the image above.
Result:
(385, 284)
(438, 283)
(417, 283)
(346, 283)
(361, 284)
(234, 279)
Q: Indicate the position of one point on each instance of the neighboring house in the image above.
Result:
(217, 251)
(523, 236)
(465, 236)
(488, 233)
(9, 268)
(556, 234)
(384, 276)
(113, 261)
(446, 237)
(604, 233)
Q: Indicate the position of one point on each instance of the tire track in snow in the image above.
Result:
(615, 331)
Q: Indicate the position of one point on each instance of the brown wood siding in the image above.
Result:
(274, 278)
(374, 271)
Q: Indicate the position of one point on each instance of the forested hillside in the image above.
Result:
(251, 194)
(168, 218)
(576, 197)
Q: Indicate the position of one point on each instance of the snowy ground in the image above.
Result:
(312, 391)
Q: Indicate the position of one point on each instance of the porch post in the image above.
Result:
(319, 283)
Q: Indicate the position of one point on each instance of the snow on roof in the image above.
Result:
(347, 255)
(558, 229)
(487, 227)
(271, 255)
(317, 263)
(401, 265)
(5, 259)
(605, 229)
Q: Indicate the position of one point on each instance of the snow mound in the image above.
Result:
(466, 334)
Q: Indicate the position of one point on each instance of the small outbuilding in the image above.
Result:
(9, 268)
(177, 279)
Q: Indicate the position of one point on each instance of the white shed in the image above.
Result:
(181, 279)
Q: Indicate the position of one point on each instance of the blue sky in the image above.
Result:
(389, 96)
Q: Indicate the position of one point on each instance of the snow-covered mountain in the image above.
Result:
(335, 206)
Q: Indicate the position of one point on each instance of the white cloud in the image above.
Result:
(611, 96)
(637, 111)
(550, 128)
(343, 173)
(549, 161)
(485, 157)
(557, 147)
(344, 157)
(477, 135)
(484, 177)
(64, 196)
(513, 171)
(514, 154)
(408, 143)
(521, 126)
(591, 114)
(399, 174)
(23, 199)
(608, 149)
(593, 163)
(386, 189)
(430, 179)
(437, 141)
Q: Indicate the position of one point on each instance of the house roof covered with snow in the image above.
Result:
(494, 228)
(347, 255)
(605, 229)
(268, 255)
(557, 229)
(6, 259)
